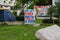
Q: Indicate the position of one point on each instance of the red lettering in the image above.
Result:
(28, 13)
(29, 18)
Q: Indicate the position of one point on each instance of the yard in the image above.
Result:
(20, 32)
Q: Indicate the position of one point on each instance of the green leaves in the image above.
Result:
(51, 9)
(55, 9)
(43, 2)
(19, 4)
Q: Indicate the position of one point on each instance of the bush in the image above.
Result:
(49, 21)
(20, 18)
(15, 13)
(31, 6)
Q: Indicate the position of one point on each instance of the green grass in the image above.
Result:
(21, 32)
(39, 21)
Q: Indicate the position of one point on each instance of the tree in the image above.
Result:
(43, 2)
(58, 10)
(39, 2)
(55, 9)
(51, 11)
(19, 4)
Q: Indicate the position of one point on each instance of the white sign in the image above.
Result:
(41, 10)
(29, 16)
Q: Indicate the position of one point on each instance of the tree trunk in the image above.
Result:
(51, 17)
(59, 19)
(52, 20)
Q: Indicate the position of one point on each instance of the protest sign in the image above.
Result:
(29, 16)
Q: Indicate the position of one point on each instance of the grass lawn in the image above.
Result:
(39, 21)
(21, 32)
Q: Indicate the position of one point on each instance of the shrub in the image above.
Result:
(49, 21)
(20, 18)
(31, 6)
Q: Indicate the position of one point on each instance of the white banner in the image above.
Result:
(41, 10)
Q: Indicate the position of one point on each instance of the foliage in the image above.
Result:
(36, 1)
(58, 10)
(15, 14)
(49, 21)
(31, 6)
(51, 11)
(20, 18)
(19, 4)
(43, 2)
(55, 9)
